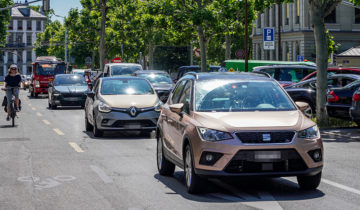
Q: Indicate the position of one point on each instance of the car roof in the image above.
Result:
(195, 67)
(122, 78)
(150, 72)
(284, 66)
(123, 64)
(228, 75)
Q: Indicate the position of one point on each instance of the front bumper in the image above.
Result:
(355, 114)
(120, 121)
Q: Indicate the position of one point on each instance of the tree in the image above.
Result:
(4, 21)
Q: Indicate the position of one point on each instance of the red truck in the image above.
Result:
(44, 70)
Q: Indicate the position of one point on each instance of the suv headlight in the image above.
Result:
(309, 133)
(158, 106)
(103, 107)
(214, 135)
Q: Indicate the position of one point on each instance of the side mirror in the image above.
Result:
(302, 105)
(177, 108)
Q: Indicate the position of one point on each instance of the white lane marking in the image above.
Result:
(101, 174)
(264, 200)
(59, 132)
(39, 114)
(75, 147)
(33, 108)
(46, 122)
(346, 188)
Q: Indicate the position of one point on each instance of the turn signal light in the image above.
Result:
(332, 97)
(356, 97)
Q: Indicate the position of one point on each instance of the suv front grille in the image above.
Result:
(266, 137)
(244, 162)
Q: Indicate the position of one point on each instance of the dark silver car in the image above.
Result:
(121, 104)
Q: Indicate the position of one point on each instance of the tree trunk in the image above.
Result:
(228, 47)
(202, 48)
(317, 16)
(151, 56)
(102, 47)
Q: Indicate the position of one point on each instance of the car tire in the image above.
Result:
(96, 131)
(194, 183)
(309, 182)
(165, 167)
(88, 126)
(50, 107)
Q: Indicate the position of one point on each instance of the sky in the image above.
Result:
(62, 7)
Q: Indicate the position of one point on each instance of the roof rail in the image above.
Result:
(192, 73)
(262, 73)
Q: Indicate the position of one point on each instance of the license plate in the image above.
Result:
(265, 155)
(133, 126)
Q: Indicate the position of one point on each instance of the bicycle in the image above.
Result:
(12, 105)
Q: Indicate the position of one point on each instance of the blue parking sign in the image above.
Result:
(268, 34)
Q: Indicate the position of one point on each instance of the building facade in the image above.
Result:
(297, 37)
(23, 28)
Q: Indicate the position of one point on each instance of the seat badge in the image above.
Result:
(266, 137)
(133, 111)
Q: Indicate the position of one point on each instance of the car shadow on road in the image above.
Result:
(121, 135)
(65, 108)
(241, 189)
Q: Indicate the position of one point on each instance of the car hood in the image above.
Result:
(233, 121)
(127, 101)
(162, 86)
(71, 89)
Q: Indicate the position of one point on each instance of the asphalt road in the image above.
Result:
(48, 161)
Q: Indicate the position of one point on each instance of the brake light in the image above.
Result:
(356, 97)
(332, 97)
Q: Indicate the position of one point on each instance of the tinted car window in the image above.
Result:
(292, 74)
(126, 87)
(271, 72)
(157, 78)
(124, 70)
(227, 96)
(69, 81)
(185, 97)
(177, 92)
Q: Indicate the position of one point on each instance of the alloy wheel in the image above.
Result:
(188, 168)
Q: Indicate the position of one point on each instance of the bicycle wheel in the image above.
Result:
(12, 113)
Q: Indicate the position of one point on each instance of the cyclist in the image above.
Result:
(12, 80)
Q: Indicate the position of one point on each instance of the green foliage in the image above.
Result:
(4, 21)
(332, 46)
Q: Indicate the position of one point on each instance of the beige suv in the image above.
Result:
(236, 124)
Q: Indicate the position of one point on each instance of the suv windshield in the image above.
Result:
(70, 81)
(126, 87)
(157, 78)
(227, 96)
(50, 69)
(124, 70)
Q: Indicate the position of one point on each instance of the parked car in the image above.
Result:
(339, 100)
(286, 74)
(160, 80)
(355, 108)
(305, 91)
(67, 90)
(236, 124)
(121, 104)
(120, 69)
(185, 69)
(338, 70)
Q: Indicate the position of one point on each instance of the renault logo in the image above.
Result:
(133, 111)
(266, 137)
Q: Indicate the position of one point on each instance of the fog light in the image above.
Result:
(210, 158)
(104, 121)
(315, 155)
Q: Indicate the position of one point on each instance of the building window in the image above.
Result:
(28, 56)
(331, 18)
(1, 56)
(29, 40)
(286, 14)
(10, 58)
(11, 38)
(28, 25)
(38, 25)
(20, 24)
(357, 16)
(19, 38)
(297, 9)
(11, 26)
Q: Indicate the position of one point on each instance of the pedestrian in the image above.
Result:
(87, 77)
(12, 80)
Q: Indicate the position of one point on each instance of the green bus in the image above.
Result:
(239, 65)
